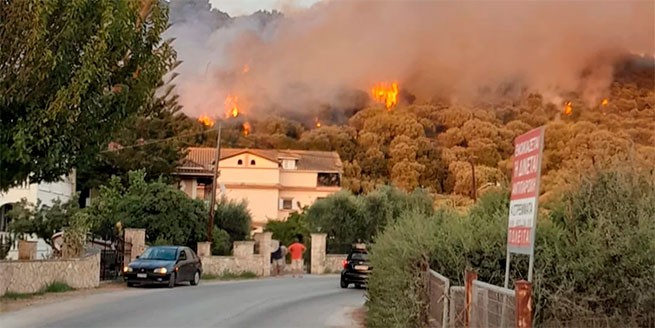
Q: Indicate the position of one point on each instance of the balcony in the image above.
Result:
(328, 180)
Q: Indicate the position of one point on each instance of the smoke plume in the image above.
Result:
(308, 57)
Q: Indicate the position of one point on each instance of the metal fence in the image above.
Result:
(487, 305)
(457, 311)
(492, 306)
(438, 287)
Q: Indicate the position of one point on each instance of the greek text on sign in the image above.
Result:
(525, 191)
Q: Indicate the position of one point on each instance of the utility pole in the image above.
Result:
(474, 187)
(212, 201)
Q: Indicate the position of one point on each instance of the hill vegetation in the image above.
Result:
(434, 145)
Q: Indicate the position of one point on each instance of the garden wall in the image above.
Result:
(243, 260)
(32, 276)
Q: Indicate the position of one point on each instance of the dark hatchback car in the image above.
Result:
(356, 268)
(165, 265)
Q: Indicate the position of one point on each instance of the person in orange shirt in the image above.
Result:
(296, 250)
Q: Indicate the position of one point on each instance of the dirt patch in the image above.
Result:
(359, 316)
(7, 305)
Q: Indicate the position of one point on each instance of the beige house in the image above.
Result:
(273, 182)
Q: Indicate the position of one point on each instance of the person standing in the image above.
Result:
(297, 249)
(278, 259)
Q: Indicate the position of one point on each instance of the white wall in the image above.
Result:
(47, 193)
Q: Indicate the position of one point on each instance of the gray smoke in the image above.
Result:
(308, 57)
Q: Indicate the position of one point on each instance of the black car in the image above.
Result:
(165, 265)
(356, 268)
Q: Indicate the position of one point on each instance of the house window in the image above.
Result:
(289, 164)
(240, 162)
(328, 180)
(287, 204)
(252, 162)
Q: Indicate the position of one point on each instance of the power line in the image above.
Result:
(159, 141)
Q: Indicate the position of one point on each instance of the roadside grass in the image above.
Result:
(55, 287)
(230, 276)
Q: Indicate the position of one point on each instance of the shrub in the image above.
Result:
(396, 291)
(221, 242)
(233, 217)
(594, 254)
(286, 231)
(164, 211)
(601, 261)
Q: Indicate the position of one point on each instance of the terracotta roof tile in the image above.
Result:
(307, 159)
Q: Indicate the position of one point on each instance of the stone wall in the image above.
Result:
(34, 275)
(334, 262)
(218, 265)
(243, 260)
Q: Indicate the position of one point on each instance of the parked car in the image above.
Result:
(356, 267)
(165, 265)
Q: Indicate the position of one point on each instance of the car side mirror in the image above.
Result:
(138, 256)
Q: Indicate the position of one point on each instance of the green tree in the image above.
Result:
(165, 212)
(341, 216)
(71, 72)
(44, 221)
(233, 217)
(150, 141)
(285, 231)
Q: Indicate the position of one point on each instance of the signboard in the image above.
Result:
(524, 202)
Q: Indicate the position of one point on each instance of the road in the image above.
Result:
(312, 301)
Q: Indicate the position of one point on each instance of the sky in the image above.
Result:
(246, 7)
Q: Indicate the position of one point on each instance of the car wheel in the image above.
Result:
(344, 284)
(358, 286)
(171, 281)
(196, 279)
(130, 284)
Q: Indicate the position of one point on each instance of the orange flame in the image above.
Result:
(318, 123)
(388, 95)
(232, 106)
(246, 129)
(206, 121)
(568, 108)
(605, 102)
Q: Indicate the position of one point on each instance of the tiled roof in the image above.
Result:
(201, 159)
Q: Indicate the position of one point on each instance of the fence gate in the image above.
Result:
(113, 256)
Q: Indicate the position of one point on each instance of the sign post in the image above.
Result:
(524, 200)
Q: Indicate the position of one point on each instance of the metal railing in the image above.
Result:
(457, 311)
(492, 306)
(438, 287)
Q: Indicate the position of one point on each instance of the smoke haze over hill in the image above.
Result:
(442, 48)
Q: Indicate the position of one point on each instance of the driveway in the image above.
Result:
(313, 301)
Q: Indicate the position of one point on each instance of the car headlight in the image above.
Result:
(127, 269)
(160, 270)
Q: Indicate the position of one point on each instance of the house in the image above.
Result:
(46, 193)
(273, 182)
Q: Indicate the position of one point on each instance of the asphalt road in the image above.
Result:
(312, 301)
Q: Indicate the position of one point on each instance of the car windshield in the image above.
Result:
(359, 256)
(159, 253)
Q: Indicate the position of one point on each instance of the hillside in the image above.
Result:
(431, 145)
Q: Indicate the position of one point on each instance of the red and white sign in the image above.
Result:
(528, 153)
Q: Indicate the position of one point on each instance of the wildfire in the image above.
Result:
(386, 94)
(232, 106)
(568, 108)
(206, 121)
(318, 123)
(246, 129)
(605, 102)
